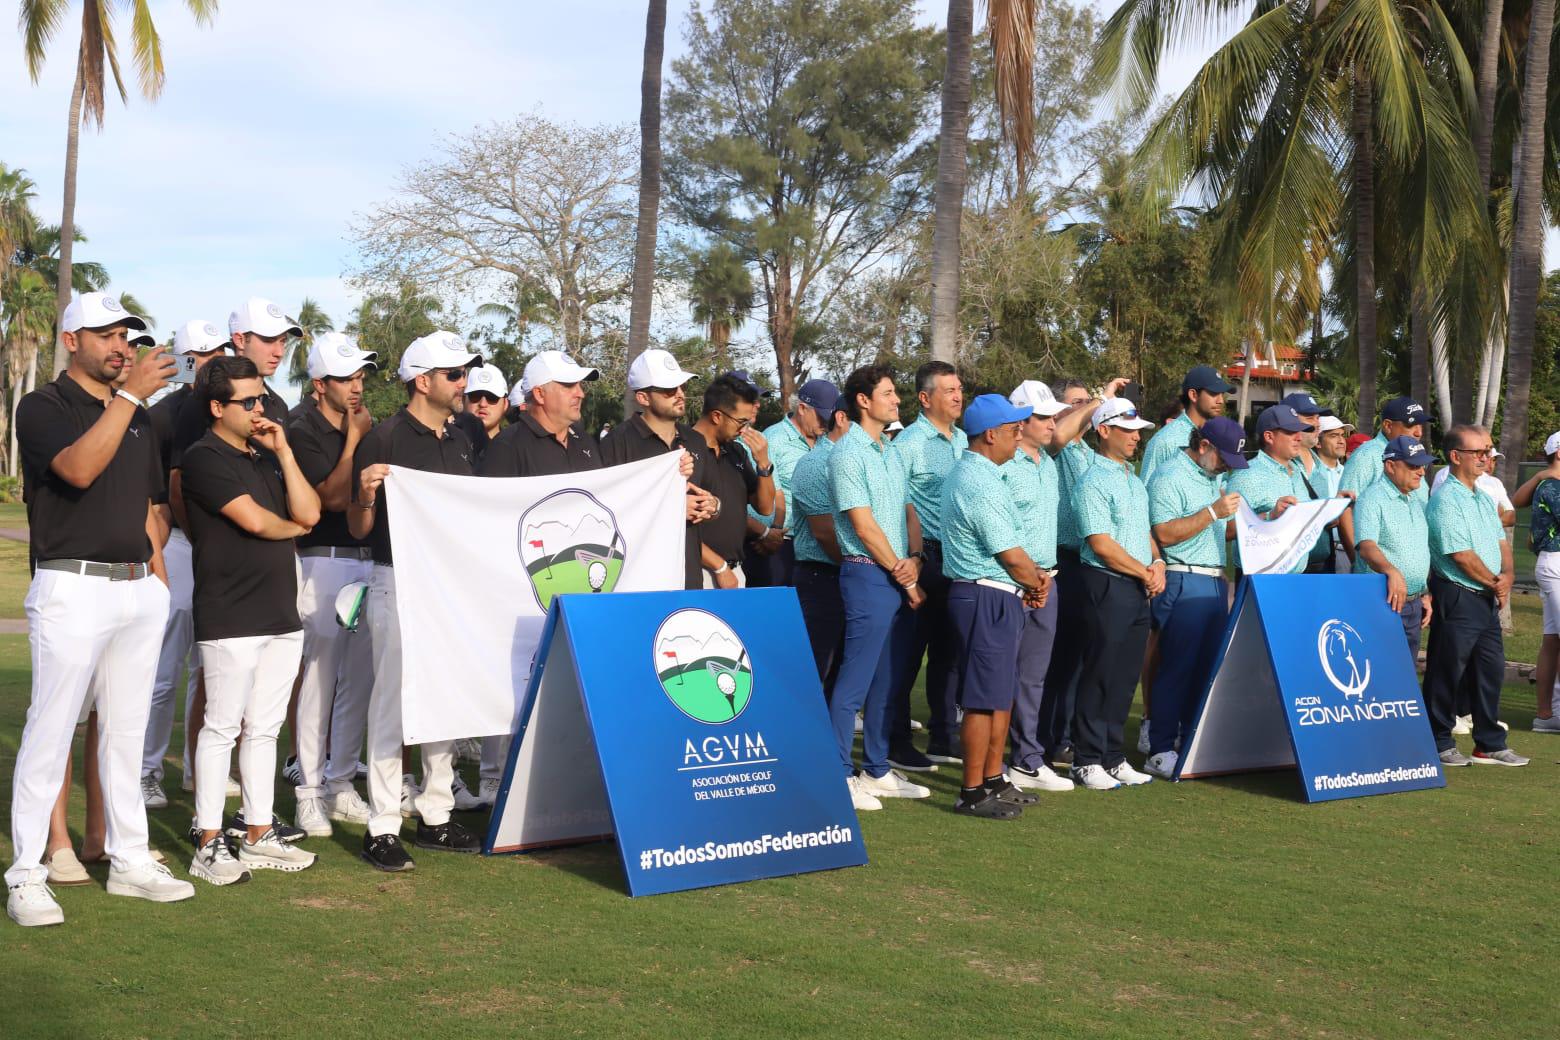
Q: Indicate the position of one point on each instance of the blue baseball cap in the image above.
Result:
(741, 376)
(1405, 410)
(989, 411)
(1207, 379)
(1305, 405)
(820, 395)
(1229, 438)
(1280, 417)
(1407, 449)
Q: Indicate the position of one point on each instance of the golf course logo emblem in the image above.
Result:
(1342, 651)
(569, 542)
(703, 667)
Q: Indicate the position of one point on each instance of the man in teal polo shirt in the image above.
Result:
(818, 553)
(1394, 535)
(770, 558)
(993, 579)
(1202, 398)
(927, 449)
(1274, 481)
(1121, 571)
(1190, 510)
(1470, 578)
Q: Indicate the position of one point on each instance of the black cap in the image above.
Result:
(1405, 410)
(1280, 417)
(1205, 378)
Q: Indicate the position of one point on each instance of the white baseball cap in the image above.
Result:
(1329, 423)
(1121, 413)
(262, 317)
(1035, 395)
(517, 394)
(436, 350)
(487, 379)
(96, 310)
(337, 355)
(198, 336)
(554, 366)
(656, 368)
(142, 338)
(1552, 445)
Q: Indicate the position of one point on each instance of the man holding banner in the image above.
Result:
(1274, 481)
(1393, 535)
(543, 440)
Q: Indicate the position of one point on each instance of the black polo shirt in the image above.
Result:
(317, 445)
(191, 424)
(244, 585)
(635, 441)
(733, 480)
(106, 521)
(476, 433)
(403, 441)
(165, 419)
(304, 406)
(527, 449)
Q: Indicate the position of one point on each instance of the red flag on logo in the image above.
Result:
(536, 545)
(669, 653)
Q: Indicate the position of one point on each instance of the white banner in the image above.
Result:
(1276, 546)
(478, 560)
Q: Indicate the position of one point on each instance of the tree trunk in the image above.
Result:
(649, 187)
(1527, 244)
(1489, 66)
(782, 328)
(68, 218)
(951, 155)
(1244, 400)
(1493, 360)
(1365, 248)
(1419, 344)
(720, 343)
(1462, 389)
(1441, 374)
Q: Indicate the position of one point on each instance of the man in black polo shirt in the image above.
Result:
(544, 441)
(657, 381)
(486, 392)
(420, 436)
(90, 462)
(244, 508)
(736, 481)
(338, 665)
(203, 341)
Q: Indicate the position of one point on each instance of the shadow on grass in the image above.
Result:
(1283, 784)
(598, 863)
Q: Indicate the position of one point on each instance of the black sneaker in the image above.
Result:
(237, 830)
(936, 752)
(446, 837)
(988, 807)
(385, 852)
(1062, 759)
(910, 760)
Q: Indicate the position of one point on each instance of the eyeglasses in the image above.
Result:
(246, 403)
(742, 424)
(1482, 453)
(483, 396)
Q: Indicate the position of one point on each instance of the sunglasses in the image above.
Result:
(453, 375)
(246, 403)
(483, 396)
(742, 424)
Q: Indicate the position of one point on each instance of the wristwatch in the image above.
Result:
(765, 471)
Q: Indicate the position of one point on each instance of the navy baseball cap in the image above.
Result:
(1407, 449)
(1280, 417)
(1305, 404)
(1229, 438)
(741, 375)
(1405, 410)
(989, 411)
(1205, 378)
(820, 395)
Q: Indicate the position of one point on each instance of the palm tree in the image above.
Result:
(28, 305)
(649, 184)
(18, 222)
(134, 306)
(313, 320)
(722, 294)
(40, 22)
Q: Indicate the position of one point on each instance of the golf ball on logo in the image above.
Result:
(726, 683)
(596, 574)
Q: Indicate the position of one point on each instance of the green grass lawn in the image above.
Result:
(13, 514)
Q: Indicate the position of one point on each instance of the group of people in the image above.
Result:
(1038, 577)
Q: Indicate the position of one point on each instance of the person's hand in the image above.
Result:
(1225, 505)
(907, 570)
(1424, 619)
(702, 505)
(915, 595)
(1281, 505)
(369, 481)
(726, 579)
(772, 540)
(1041, 593)
(1350, 495)
(150, 373)
(268, 435)
(359, 421)
(1397, 590)
(1503, 584)
(1113, 387)
(1154, 584)
(684, 464)
(757, 446)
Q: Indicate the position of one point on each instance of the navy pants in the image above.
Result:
(929, 637)
(1412, 616)
(772, 571)
(823, 612)
(877, 632)
(1054, 730)
(1034, 661)
(1465, 647)
(987, 625)
(1190, 616)
(1115, 634)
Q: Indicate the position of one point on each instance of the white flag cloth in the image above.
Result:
(478, 560)
(1275, 546)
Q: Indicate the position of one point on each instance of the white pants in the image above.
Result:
(384, 725)
(80, 628)
(338, 675)
(495, 755)
(177, 642)
(249, 681)
(1547, 571)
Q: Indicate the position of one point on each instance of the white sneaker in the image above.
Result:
(468, 749)
(1549, 725)
(1094, 778)
(269, 852)
(1043, 779)
(1503, 725)
(152, 792)
(214, 863)
(348, 807)
(292, 772)
(311, 817)
(1143, 744)
(860, 726)
(1162, 765)
(915, 726)
(151, 881)
(1464, 726)
(1124, 772)
(465, 801)
(892, 784)
(860, 800)
(488, 790)
(32, 905)
(409, 793)
(362, 770)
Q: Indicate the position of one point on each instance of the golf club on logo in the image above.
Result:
(569, 542)
(702, 666)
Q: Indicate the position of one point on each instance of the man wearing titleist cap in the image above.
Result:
(1394, 535)
(737, 472)
(1121, 572)
(201, 340)
(1202, 398)
(1189, 511)
(1400, 417)
(771, 557)
(333, 688)
(544, 441)
(486, 402)
(1274, 481)
(421, 436)
(98, 599)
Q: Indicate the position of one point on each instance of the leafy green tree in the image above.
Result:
(313, 320)
(721, 292)
(387, 322)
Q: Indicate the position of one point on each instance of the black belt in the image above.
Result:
(815, 565)
(92, 569)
